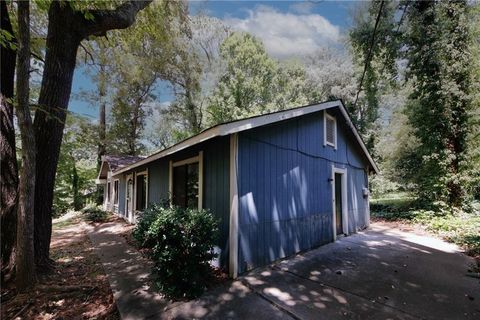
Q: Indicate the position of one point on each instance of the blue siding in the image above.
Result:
(158, 181)
(216, 157)
(216, 189)
(285, 198)
(121, 195)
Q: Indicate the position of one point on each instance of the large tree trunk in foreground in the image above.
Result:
(66, 29)
(8, 159)
(25, 262)
(60, 58)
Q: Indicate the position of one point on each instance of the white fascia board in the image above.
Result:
(101, 169)
(204, 136)
(246, 124)
(242, 125)
(359, 139)
(100, 181)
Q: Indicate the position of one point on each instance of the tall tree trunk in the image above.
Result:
(25, 262)
(60, 58)
(102, 126)
(77, 201)
(63, 40)
(8, 159)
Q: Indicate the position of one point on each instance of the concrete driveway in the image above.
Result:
(381, 273)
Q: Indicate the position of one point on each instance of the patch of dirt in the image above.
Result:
(403, 226)
(77, 288)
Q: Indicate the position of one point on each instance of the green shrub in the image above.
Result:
(95, 214)
(144, 221)
(182, 245)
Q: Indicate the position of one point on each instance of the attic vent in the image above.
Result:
(330, 130)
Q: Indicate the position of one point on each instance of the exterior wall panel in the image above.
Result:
(216, 184)
(285, 196)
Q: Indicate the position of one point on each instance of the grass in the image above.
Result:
(462, 228)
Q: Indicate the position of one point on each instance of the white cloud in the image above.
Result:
(286, 34)
(302, 7)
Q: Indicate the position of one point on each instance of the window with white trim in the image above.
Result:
(141, 191)
(109, 192)
(115, 192)
(186, 182)
(330, 130)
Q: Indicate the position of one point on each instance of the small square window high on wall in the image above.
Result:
(330, 130)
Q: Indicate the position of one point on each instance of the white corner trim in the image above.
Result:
(343, 172)
(233, 236)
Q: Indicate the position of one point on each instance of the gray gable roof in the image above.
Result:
(228, 128)
(116, 162)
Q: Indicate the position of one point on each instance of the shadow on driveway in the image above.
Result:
(376, 274)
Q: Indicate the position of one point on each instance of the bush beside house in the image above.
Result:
(181, 243)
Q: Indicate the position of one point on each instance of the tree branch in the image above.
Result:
(120, 18)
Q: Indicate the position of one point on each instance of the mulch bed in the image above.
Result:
(77, 288)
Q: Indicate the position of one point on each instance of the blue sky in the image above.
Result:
(287, 28)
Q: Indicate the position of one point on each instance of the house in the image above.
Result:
(280, 183)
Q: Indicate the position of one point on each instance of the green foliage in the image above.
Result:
(438, 107)
(379, 60)
(182, 245)
(95, 214)
(253, 83)
(76, 171)
(457, 226)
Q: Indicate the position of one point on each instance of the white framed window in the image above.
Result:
(329, 130)
(115, 191)
(141, 190)
(186, 182)
(109, 192)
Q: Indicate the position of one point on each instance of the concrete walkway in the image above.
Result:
(129, 275)
(377, 274)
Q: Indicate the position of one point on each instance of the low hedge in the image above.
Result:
(95, 214)
(182, 245)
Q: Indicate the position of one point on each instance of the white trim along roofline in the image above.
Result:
(250, 123)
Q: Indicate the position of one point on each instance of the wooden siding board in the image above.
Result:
(121, 195)
(285, 196)
(216, 189)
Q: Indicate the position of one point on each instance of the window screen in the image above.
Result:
(185, 185)
(330, 130)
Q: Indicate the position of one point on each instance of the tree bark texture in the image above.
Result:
(8, 159)
(66, 29)
(25, 262)
(60, 58)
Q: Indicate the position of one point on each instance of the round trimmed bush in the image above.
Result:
(182, 245)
